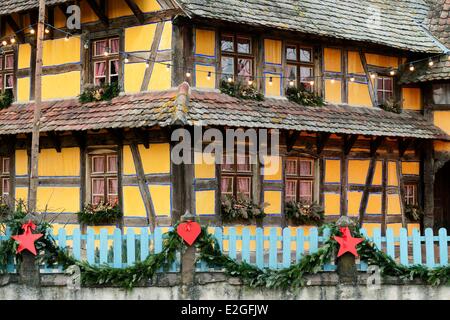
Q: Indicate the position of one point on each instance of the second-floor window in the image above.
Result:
(236, 57)
(4, 173)
(300, 65)
(104, 178)
(237, 178)
(411, 194)
(299, 175)
(6, 71)
(105, 61)
(385, 88)
(441, 93)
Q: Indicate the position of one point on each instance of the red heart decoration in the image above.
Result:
(189, 231)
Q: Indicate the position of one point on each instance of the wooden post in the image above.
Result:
(34, 176)
(428, 183)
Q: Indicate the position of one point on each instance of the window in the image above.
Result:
(411, 194)
(105, 61)
(237, 57)
(300, 65)
(385, 89)
(6, 71)
(4, 173)
(441, 93)
(299, 175)
(104, 179)
(237, 177)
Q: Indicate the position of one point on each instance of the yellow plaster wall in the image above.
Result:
(412, 98)
(201, 76)
(392, 173)
(139, 38)
(381, 61)
(332, 171)
(161, 78)
(161, 199)
(155, 159)
(442, 120)
(56, 227)
(204, 167)
(274, 89)
(332, 204)
(374, 203)
(133, 76)
(273, 199)
(378, 174)
(64, 163)
(59, 51)
(205, 202)
(411, 167)
(358, 94)
(354, 201)
(272, 51)
(148, 5)
(58, 199)
(205, 42)
(333, 91)
(370, 227)
(52, 88)
(87, 14)
(441, 146)
(332, 59)
(133, 205)
(412, 226)
(166, 38)
(354, 63)
(393, 205)
(273, 168)
(23, 89)
(357, 171)
(24, 56)
(22, 194)
(118, 9)
(395, 228)
(21, 158)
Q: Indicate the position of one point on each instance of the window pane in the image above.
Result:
(291, 53)
(292, 73)
(97, 199)
(100, 72)
(5, 165)
(306, 75)
(5, 186)
(227, 44)
(98, 164)
(291, 190)
(243, 185)
(114, 67)
(227, 67)
(9, 81)
(113, 200)
(112, 163)
(98, 186)
(306, 168)
(306, 191)
(1, 62)
(226, 185)
(9, 61)
(100, 47)
(244, 68)
(1, 82)
(243, 45)
(441, 93)
(305, 55)
(291, 167)
(243, 163)
(114, 45)
(112, 186)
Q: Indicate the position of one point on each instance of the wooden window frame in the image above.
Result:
(415, 194)
(298, 64)
(4, 73)
(235, 174)
(104, 176)
(383, 90)
(236, 55)
(299, 178)
(4, 176)
(106, 59)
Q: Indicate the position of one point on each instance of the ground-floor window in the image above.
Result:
(104, 178)
(236, 178)
(4, 177)
(299, 179)
(411, 194)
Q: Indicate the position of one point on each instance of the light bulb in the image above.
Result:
(4, 42)
(13, 40)
(106, 53)
(291, 83)
(230, 79)
(411, 67)
(392, 73)
(188, 74)
(126, 60)
(67, 37)
(168, 67)
(32, 30)
(430, 62)
(352, 79)
(47, 30)
(250, 82)
(209, 75)
(311, 83)
(270, 81)
(333, 81)
(373, 76)
(147, 64)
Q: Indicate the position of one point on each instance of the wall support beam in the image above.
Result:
(428, 182)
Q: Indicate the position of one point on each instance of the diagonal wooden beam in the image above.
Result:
(136, 10)
(56, 140)
(349, 142)
(99, 11)
(321, 140)
(152, 56)
(12, 23)
(372, 93)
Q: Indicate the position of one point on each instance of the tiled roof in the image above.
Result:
(392, 23)
(423, 72)
(12, 6)
(216, 109)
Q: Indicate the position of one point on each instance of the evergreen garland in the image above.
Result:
(102, 213)
(240, 90)
(100, 93)
(6, 98)
(304, 97)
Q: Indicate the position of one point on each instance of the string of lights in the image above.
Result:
(11, 40)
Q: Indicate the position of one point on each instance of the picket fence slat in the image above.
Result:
(117, 247)
(219, 236)
(90, 246)
(417, 249)
(273, 248)
(259, 247)
(131, 243)
(232, 243)
(300, 247)
(144, 238)
(103, 246)
(429, 246)
(404, 246)
(362, 264)
(313, 240)
(377, 238)
(158, 240)
(390, 244)
(76, 246)
(246, 245)
(286, 247)
(443, 247)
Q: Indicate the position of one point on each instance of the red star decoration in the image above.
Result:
(347, 242)
(27, 239)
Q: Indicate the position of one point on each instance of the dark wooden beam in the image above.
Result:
(403, 145)
(12, 23)
(372, 93)
(291, 138)
(375, 144)
(136, 11)
(117, 135)
(100, 11)
(321, 141)
(51, 21)
(80, 138)
(368, 184)
(349, 141)
(142, 136)
(152, 56)
(56, 140)
(63, 8)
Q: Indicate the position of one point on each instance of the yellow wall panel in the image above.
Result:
(128, 163)
(393, 206)
(239, 230)
(205, 42)
(23, 89)
(155, 159)
(139, 38)
(205, 202)
(357, 171)
(332, 59)
(333, 91)
(22, 194)
(411, 167)
(395, 228)
(87, 14)
(374, 204)
(60, 19)
(201, 76)
(412, 226)
(412, 98)
(58, 199)
(56, 227)
(161, 199)
(118, 9)
(332, 203)
(392, 173)
(358, 94)
(381, 61)
(161, 77)
(133, 205)
(370, 227)
(272, 51)
(354, 63)
(273, 200)
(64, 163)
(354, 201)
(52, 88)
(133, 76)
(273, 168)
(377, 175)
(205, 167)
(21, 162)
(441, 146)
(166, 38)
(24, 56)
(273, 89)
(442, 120)
(148, 5)
(60, 51)
(332, 171)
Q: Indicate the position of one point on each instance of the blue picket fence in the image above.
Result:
(268, 247)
